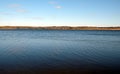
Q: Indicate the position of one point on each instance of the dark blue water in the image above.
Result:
(22, 50)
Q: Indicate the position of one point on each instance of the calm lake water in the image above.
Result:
(59, 50)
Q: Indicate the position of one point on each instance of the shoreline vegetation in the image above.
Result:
(59, 28)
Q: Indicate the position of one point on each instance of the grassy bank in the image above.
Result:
(61, 28)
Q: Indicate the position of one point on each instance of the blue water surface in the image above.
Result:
(59, 49)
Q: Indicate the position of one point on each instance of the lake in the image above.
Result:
(59, 51)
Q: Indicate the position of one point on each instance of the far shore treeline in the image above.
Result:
(60, 27)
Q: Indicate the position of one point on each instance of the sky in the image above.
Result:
(59, 12)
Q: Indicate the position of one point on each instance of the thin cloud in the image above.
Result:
(14, 5)
(56, 4)
(5, 13)
(18, 8)
(21, 10)
(37, 18)
(58, 7)
(53, 2)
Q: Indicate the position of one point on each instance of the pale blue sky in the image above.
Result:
(60, 12)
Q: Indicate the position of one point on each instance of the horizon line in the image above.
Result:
(51, 26)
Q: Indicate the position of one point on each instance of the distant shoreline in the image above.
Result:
(59, 28)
